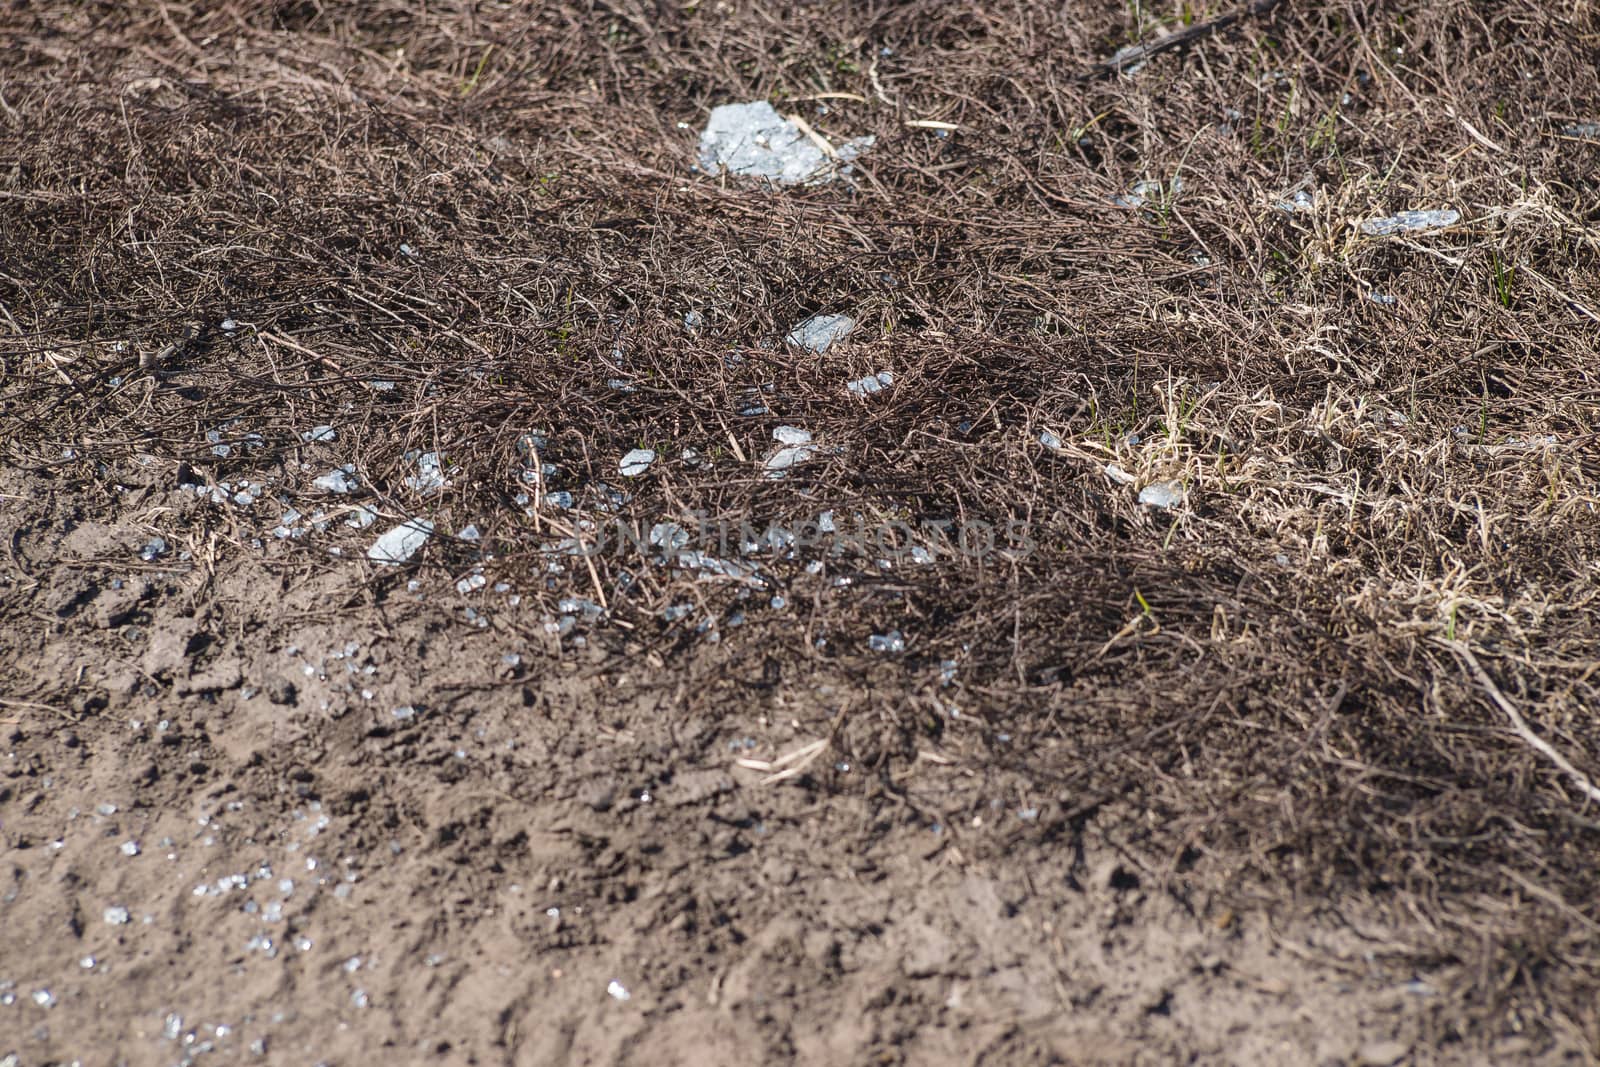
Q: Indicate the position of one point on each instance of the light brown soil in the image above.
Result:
(466, 884)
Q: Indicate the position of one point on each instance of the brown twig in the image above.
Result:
(1135, 54)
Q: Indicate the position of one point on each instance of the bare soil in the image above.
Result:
(1297, 770)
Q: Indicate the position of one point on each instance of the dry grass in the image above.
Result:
(1275, 675)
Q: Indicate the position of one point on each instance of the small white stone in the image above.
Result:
(791, 435)
(872, 383)
(1162, 494)
(636, 462)
(340, 480)
(779, 462)
(401, 543)
(821, 332)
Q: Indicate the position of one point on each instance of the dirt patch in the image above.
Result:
(1156, 623)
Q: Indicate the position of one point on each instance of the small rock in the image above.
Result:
(872, 383)
(1410, 222)
(1300, 202)
(339, 480)
(401, 543)
(636, 462)
(580, 606)
(1162, 494)
(753, 140)
(791, 435)
(1145, 192)
(362, 516)
(893, 641)
(778, 464)
(429, 478)
(821, 332)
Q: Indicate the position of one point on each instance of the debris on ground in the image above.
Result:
(891, 642)
(1410, 222)
(402, 542)
(821, 332)
(1146, 193)
(872, 383)
(1298, 204)
(797, 449)
(1127, 608)
(753, 141)
(340, 480)
(430, 476)
(1162, 494)
(636, 462)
